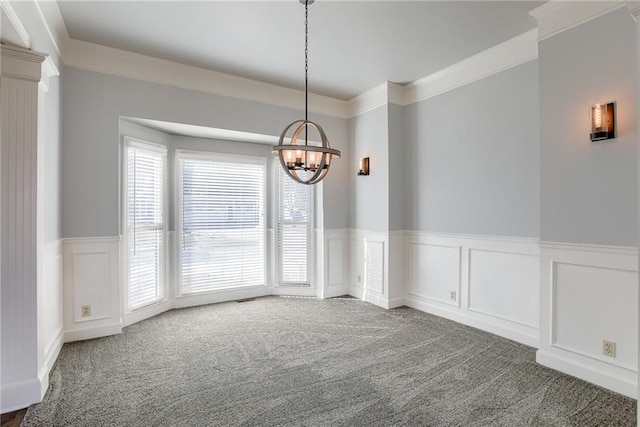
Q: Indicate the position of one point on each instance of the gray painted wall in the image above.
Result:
(369, 136)
(51, 160)
(472, 157)
(397, 170)
(589, 190)
(92, 107)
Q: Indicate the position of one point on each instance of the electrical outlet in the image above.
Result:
(86, 310)
(359, 278)
(453, 295)
(609, 348)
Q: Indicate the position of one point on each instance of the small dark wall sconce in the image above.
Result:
(603, 122)
(364, 166)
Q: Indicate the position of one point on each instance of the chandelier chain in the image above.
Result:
(306, 59)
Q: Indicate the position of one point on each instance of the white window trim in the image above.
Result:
(129, 141)
(276, 231)
(178, 202)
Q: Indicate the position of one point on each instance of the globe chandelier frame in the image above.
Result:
(306, 164)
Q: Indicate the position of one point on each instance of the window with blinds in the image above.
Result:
(145, 226)
(221, 222)
(294, 229)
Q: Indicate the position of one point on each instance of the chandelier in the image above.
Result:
(305, 161)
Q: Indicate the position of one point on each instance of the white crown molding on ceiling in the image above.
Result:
(369, 100)
(107, 60)
(103, 59)
(634, 9)
(54, 24)
(21, 31)
(508, 54)
(555, 17)
(49, 70)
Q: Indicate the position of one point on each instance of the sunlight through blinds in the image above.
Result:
(145, 224)
(294, 208)
(222, 223)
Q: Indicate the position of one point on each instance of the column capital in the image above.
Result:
(22, 63)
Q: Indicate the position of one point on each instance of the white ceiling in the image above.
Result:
(354, 45)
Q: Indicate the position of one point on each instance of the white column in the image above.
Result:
(21, 72)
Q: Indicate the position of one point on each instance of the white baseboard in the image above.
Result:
(336, 291)
(147, 312)
(356, 291)
(91, 332)
(473, 320)
(221, 296)
(376, 299)
(294, 291)
(50, 358)
(20, 395)
(620, 384)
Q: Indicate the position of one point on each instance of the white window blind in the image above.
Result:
(221, 218)
(145, 227)
(294, 229)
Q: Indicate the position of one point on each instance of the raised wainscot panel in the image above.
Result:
(92, 278)
(357, 262)
(336, 256)
(592, 304)
(435, 272)
(505, 286)
(52, 307)
(374, 266)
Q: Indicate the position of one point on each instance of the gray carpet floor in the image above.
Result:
(307, 362)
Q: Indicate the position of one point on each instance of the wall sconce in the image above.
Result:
(364, 166)
(603, 122)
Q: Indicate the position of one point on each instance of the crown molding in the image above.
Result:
(6, 7)
(108, 60)
(383, 94)
(511, 53)
(54, 24)
(117, 62)
(49, 70)
(501, 57)
(396, 94)
(634, 8)
(555, 17)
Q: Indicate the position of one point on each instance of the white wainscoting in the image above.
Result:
(51, 306)
(589, 294)
(491, 283)
(91, 277)
(369, 272)
(398, 264)
(334, 263)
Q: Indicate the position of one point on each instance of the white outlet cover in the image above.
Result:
(609, 348)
